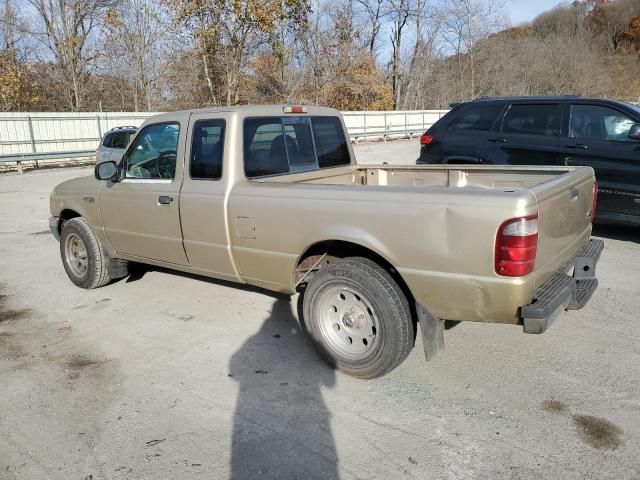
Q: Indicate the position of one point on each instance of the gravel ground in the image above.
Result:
(166, 375)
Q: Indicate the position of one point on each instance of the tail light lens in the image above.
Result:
(517, 246)
(595, 200)
(426, 139)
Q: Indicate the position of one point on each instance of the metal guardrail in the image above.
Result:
(25, 157)
(388, 128)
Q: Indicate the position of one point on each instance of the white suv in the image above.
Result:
(114, 143)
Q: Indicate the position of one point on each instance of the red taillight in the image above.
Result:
(595, 200)
(516, 246)
(426, 139)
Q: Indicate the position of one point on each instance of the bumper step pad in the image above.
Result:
(564, 292)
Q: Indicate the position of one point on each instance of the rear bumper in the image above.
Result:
(563, 291)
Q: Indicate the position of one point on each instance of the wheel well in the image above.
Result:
(65, 215)
(327, 251)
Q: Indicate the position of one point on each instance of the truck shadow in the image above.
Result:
(617, 232)
(281, 425)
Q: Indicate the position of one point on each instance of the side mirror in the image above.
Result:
(634, 131)
(107, 171)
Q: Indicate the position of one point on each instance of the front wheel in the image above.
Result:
(358, 317)
(82, 256)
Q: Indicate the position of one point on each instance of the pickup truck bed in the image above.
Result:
(450, 218)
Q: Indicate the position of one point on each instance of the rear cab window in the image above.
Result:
(532, 119)
(477, 118)
(292, 144)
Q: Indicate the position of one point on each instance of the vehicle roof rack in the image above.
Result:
(526, 97)
(129, 127)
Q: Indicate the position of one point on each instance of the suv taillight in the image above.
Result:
(595, 200)
(426, 139)
(516, 246)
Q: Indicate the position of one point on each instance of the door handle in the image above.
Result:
(498, 140)
(580, 146)
(164, 200)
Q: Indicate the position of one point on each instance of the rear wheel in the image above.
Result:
(358, 317)
(82, 256)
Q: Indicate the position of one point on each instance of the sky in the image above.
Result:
(525, 10)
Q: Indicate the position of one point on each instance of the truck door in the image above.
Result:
(141, 213)
(598, 137)
(528, 136)
(202, 201)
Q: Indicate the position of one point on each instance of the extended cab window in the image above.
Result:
(206, 149)
(594, 122)
(152, 155)
(277, 145)
(331, 145)
(479, 118)
(543, 119)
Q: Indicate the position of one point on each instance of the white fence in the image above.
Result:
(44, 132)
(29, 136)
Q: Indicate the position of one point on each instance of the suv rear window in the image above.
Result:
(543, 119)
(477, 118)
(120, 139)
(107, 140)
(278, 145)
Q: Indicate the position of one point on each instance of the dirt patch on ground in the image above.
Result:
(79, 363)
(8, 314)
(554, 406)
(598, 432)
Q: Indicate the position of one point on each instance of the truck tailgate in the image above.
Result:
(564, 220)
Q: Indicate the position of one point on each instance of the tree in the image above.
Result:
(135, 36)
(467, 24)
(64, 28)
(18, 91)
(229, 28)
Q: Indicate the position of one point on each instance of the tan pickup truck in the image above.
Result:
(272, 196)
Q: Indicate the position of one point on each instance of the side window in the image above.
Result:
(206, 149)
(598, 123)
(541, 119)
(479, 118)
(152, 155)
(330, 142)
(277, 145)
(120, 140)
(107, 140)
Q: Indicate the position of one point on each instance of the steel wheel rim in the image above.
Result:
(347, 321)
(75, 253)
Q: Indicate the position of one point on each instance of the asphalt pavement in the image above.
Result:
(164, 375)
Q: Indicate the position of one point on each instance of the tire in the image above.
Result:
(358, 318)
(82, 256)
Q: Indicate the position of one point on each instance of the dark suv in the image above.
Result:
(602, 134)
